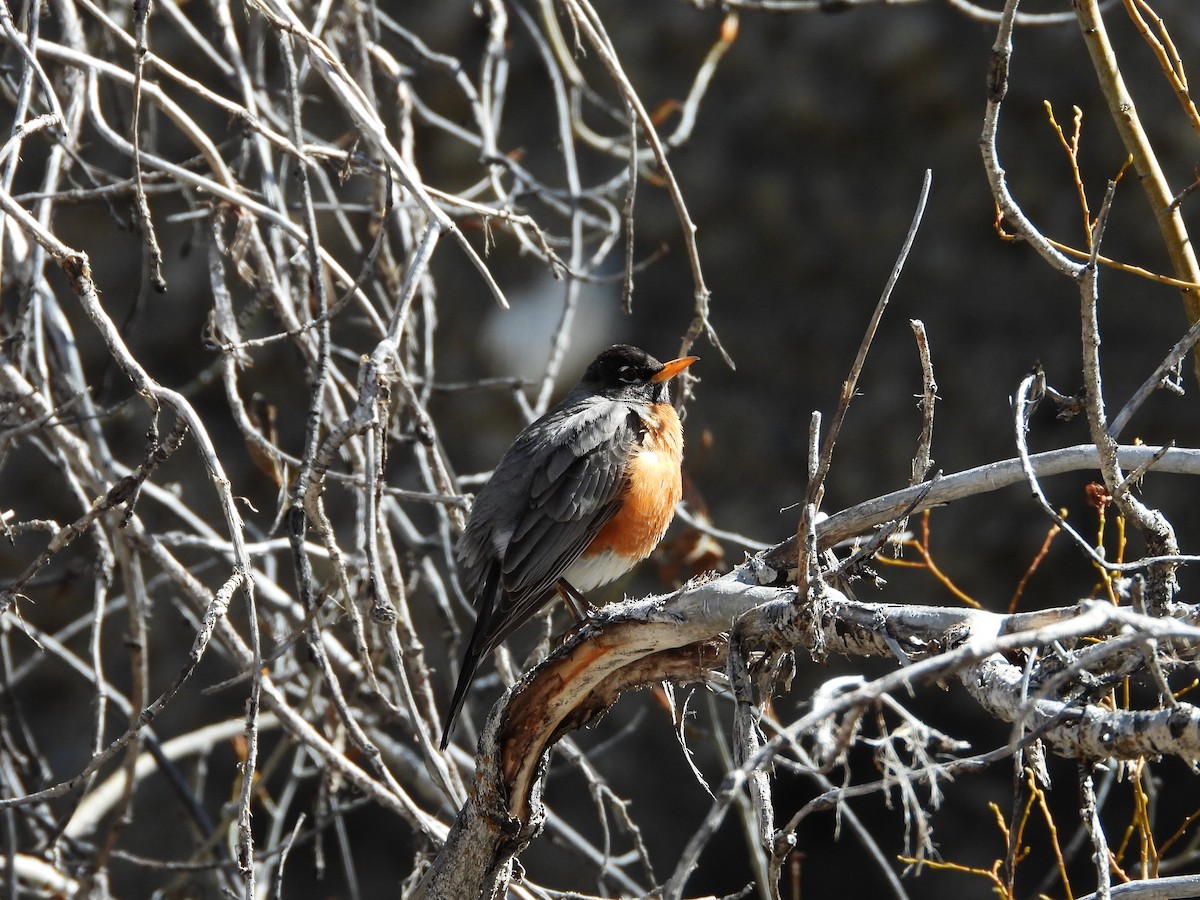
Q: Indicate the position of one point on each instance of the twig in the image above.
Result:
(1159, 378)
(815, 487)
(997, 89)
(141, 17)
(1090, 814)
(1159, 533)
(922, 461)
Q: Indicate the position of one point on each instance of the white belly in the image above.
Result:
(588, 573)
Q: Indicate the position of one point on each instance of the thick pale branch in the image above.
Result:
(683, 635)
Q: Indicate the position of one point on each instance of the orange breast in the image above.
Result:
(653, 489)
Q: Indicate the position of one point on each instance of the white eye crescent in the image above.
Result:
(627, 374)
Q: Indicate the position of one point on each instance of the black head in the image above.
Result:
(623, 371)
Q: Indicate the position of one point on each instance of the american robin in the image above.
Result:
(583, 494)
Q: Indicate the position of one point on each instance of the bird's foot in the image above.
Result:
(581, 608)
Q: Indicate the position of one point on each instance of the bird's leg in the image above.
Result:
(579, 605)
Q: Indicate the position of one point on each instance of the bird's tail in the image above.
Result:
(482, 641)
(465, 676)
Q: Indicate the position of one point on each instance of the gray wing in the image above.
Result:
(555, 488)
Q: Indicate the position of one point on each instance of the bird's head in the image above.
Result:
(623, 372)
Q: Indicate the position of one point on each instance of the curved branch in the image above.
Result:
(980, 480)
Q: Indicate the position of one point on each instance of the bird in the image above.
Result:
(583, 494)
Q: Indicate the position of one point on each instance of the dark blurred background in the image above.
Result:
(802, 175)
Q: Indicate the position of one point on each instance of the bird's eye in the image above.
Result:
(627, 374)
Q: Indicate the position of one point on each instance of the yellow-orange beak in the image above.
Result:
(673, 368)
